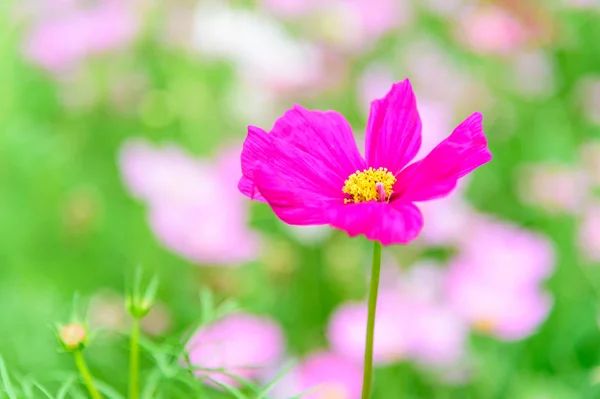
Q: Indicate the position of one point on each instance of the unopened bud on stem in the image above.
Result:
(73, 336)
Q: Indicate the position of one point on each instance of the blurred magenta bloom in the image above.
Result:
(495, 282)
(71, 32)
(309, 169)
(490, 29)
(185, 214)
(322, 375)
(439, 334)
(240, 345)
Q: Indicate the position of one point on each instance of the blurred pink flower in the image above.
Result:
(411, 323)
(241, 345)
(589, 233)
(322, 375)
(355, 25)
(510, 313)
(185, 213)
(374, 82)
(439, 334)
(555, 188)
(347, 329)
(494, 282)
(452, 216)
(377, 17)
(438, 77)
(61, 40)
(505, 255)
(491, 29)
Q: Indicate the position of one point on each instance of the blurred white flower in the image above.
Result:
(256, 44)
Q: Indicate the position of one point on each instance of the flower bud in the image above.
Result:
(73, 336)
(138, 307)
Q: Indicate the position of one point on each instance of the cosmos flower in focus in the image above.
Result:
(185, 214)
(310, 171)
(70, 33)
(241, 345)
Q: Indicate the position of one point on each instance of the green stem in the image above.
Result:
(86, 375)
(134, 360)
(373, 290)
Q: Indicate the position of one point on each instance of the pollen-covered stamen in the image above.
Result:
(369, 185)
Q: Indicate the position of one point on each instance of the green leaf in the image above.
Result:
(6, 383)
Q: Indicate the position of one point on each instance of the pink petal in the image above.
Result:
(291, 198)
(389, 223)
(320, 143)
(325, 135)
(297, 185)
(437, 174)
(247, 187)
(241, 344)
(394, 129)
(256, 150)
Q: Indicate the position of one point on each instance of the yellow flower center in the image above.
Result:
(332, 391)
(484, 325)
(369, 185)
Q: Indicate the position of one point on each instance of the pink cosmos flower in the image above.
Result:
(184, 213)
(506, 255)
(439, 334)
(491, 30)
(62, 40)
(322, 375)
(310, 171)
(510, 313)
(241, 345)
(346, 331)
(494, 284)
(452, 216)
(409, 325)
